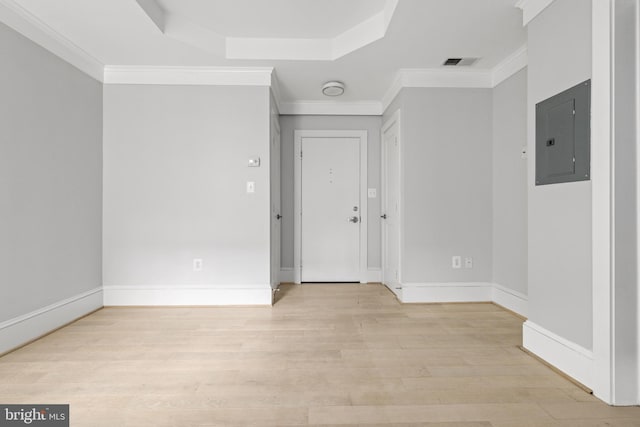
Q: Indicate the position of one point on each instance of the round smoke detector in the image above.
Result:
(333, 88)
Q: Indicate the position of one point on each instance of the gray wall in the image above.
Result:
(50, 178)
(371, 124)
(446, 139)
(510, 183)
(560, 290)
(175, 172)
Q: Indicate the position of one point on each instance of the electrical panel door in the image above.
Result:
(563, 140)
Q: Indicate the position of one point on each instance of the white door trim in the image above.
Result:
(395, 118)
(602, 203)
(297, 240)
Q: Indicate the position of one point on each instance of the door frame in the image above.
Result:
(394, 119)
(297, 185)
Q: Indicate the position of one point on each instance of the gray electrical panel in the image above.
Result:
(563, 136)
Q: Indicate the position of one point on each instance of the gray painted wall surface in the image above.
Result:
(372, 125)
(50, 178)
(447, 145)
(175, 172)
(510, 183)
(560, 289)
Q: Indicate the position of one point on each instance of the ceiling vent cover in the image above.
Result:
(460, 62)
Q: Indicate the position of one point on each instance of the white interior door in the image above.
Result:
(330, 209)
(275, 204)
(391, 204)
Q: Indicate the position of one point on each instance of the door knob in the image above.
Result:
(354, 219)
(278, 216)
(383, 216)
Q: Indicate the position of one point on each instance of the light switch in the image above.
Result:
(254, 162)
(456, 261)
(372, 193)
(251, 187)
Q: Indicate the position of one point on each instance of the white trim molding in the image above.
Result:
(328, 108)
(455, 78)
(202, 76)
(36, 30)
(509, 66)
(188, 295)
(570, 358)
(465, 292)
(602, 202)
(531, 9)
(510, 299)
(28, 327)
(436, 77)
(446, 292)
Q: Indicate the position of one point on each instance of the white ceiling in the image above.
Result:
(420, 34)
(275, 18)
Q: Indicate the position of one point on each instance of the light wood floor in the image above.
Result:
(323, 355)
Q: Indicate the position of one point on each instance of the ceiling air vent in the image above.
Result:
(460, 62)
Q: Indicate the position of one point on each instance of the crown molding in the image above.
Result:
(205, 76)
(359, 35)
(461, 78)
(509, 66)
(33, 28)
(275, 91)
(457, 78)
(332, 108)
(531, 9)
(392, 92)
(436, 78)
(27, 24)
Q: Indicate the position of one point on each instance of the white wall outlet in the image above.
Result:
(254, 162)
(456, 261)
(251, 187)
(372, 193)
(523, 153)
(468, 262)
(197, 264)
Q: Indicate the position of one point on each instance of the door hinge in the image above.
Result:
(300, 154)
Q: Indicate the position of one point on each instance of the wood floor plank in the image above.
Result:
(323, 355)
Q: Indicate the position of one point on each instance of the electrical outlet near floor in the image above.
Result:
(468, 262)
(197, 264)
(456, 261)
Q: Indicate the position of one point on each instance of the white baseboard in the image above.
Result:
(214, 295)
(28, 327)
(374, 275)
(446, 292)
(570, 358)
(287, 275)
(510, 299)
